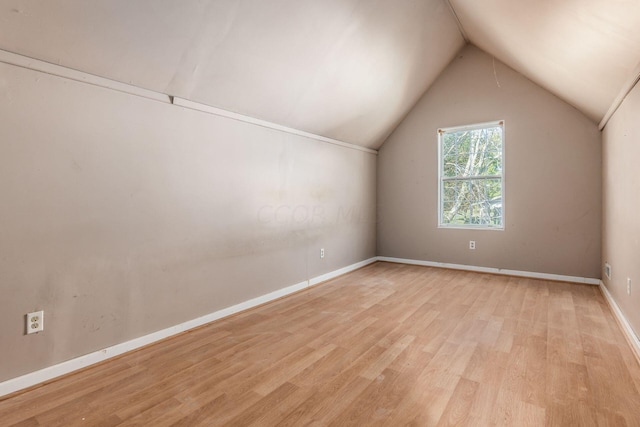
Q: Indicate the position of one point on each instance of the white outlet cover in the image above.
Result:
(35, 322)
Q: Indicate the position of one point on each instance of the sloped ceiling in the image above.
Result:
(344, 69)
(583, 51)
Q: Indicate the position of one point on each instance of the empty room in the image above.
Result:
(319, 212)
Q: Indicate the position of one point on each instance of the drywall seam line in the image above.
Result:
(501, 271)
(627, 330)
(82, 77)
(617, 102)
(79, 76)
(455, 16)
(49, 373)
(181, 102)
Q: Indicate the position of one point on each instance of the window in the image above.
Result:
(471, 175)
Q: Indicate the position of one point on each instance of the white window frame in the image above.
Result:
(441, 180)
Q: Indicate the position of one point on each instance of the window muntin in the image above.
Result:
(471, 176)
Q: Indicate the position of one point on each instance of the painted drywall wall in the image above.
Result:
(621, 206)
(121, 216)
(552, 164)
(345, 69)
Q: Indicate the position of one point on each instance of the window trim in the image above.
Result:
(441, 132)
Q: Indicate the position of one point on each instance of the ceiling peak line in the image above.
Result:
(455, 16)
(626, 89)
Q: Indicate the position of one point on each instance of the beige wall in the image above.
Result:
(621, 206)
(121, 216)
(553, 170)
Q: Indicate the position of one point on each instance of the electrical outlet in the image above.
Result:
(35, 322)
(322, 253)
(472, 244)
(607, 270)
(628, 285)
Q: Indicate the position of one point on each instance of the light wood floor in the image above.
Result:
(388, 345)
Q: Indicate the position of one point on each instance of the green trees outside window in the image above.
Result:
(471, 176)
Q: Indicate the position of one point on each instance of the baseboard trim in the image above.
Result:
(625, 326)
(341, 271)
(47, 374)
(531, 274)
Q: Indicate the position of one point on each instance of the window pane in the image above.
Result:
(449, 191)
(450, 165)
(474, 152)
(467, 155)
(474, 201)
(448, 143)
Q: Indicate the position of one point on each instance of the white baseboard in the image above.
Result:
(627, 330)
(341, 271)
(625, 326)
(533, 275)
(51, 372)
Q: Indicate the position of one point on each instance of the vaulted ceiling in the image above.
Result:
(344, 69)
(583, 51)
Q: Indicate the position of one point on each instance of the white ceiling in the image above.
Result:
(344, 69)
(584, 51)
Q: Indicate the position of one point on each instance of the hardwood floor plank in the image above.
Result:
(332, 397)
(375, 369)
(534, 390)
(483, 405)
(255, 413)
(25, 405)
(148, 415)
(365, 408)
(458, 410)
(278, 377)
(389, 344)
(29, 422)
